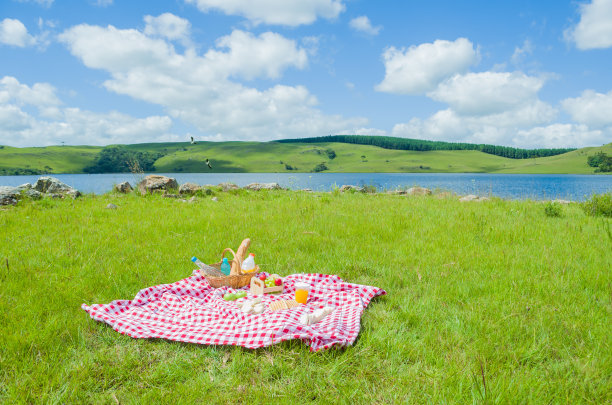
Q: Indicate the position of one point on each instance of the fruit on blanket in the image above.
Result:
(262, 277)
(278, 281)
(230, 297)
(241, 294)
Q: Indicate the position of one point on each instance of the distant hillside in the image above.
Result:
(389, 142)
(280, 157)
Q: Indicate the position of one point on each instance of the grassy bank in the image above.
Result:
(274, 157)
(489, 301)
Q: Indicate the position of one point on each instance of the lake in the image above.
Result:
(512, 186)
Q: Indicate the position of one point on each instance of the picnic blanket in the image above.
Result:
(190, 310)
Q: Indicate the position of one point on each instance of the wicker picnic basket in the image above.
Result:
(237, 277)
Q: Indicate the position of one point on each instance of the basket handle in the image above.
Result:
(236, 263)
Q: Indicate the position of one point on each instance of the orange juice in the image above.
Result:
(301, 292)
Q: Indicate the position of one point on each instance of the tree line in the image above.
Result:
(119, 159)
(389, 142)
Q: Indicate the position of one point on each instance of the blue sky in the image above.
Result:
(509, 72)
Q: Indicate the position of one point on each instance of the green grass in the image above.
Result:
(487, 302)
(266, 157)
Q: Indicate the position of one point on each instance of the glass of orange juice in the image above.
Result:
(301, 292)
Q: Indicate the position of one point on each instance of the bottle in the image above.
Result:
(197, 262)
(225, 266)
(248, 265)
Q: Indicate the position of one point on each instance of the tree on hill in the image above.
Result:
(119, 159)
(601, 162)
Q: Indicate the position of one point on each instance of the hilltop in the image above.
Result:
(294, 156)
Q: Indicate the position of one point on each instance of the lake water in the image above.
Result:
(512, 186)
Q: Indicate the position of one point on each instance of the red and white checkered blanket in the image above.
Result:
(190, 310)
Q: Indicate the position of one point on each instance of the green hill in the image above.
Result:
(256, 157)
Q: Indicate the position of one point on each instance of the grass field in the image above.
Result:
(271, 157)
(487, 302)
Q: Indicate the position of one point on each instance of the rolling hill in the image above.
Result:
(235, 157)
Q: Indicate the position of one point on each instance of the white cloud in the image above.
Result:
(591, 108)
(249, 56)
(20, 126)
(44, 3)
(362, 131)
(561, 136)
(200, 90)
(168, 26)
(13, 32)
(487, 92)
(103, 3)
(487, 107)
(363, 24)
(520, 52)
(420, 69)
(594, 30)
(280, 12)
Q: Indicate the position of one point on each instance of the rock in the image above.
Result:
(166, 195)
(308, 190)
(192, 200)
(215, 199)
(124, 187)
(563, 202)
(24, 187)
(348, 187)
(263, 186)
(55, 196)
(9, 195)
(206, 191)
(154, 182)
(397, 192)
(418, 191)
(74, 193)
(51, 185)
(111, 207)
(33, 194)
(189, 188)
(228, 186)
(472, 197)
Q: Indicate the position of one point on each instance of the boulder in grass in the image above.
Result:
(51, 185)
(228, 186)
(472, 197)
(348, 187)
(33, 194)
(9, 195)
(189, 188)
(263, 186)
(124, 187)
(153, 183)
(24, 187)
(418, 191)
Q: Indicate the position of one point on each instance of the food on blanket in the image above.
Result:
(253, 306)
(262, 277)
(316, 316)
(234, 296)
(278, 281)
(282, 304)
(301, 292)
(240, 254)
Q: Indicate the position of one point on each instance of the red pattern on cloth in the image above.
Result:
(190, 310)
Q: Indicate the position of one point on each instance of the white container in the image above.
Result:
(248, 265)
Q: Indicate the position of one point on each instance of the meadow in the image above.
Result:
(491, 302)
(275, 157)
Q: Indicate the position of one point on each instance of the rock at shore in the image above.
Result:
(153, 183)
(472, 197)
(228, 186)
(124, 187)
(189, 188)
(348, 187)
(263, 186)
(52, 186)
(9, 195)
(418, 191)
